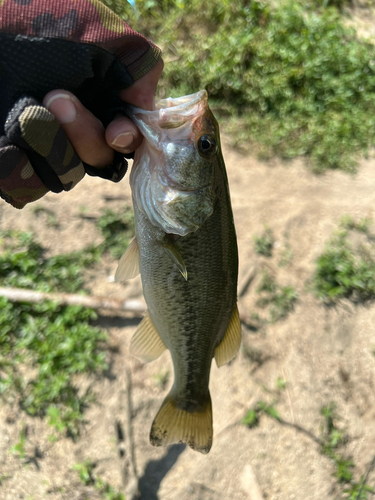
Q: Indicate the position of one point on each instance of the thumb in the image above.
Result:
(142, 93)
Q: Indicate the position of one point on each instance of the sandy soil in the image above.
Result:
(324, 354)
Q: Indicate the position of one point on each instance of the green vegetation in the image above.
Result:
(117, 228)
(347, 266)
(52, 342)
(286, 254)
(19, 448)
(288, 76)
(162, 378)
(331, 442)
(50, 216)
(280, 299)
(263, 244)
(252, 417)
(280, 384)
(363, 225)
(340, 4)
(254, 355)
(43, 346)
(332, 439)
(86, 474)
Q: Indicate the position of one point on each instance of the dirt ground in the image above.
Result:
(324, 354)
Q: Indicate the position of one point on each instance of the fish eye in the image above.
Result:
(207, 145)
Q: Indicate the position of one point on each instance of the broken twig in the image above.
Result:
(69, 299)
(125, 443)
(134, 306)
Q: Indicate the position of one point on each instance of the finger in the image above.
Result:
(85, 132)
(122, 135)
(142, 92)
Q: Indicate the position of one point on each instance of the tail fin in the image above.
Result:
(175, 425)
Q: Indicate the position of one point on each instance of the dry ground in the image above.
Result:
(324, 354)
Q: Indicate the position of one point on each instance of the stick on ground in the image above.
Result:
(137, 307)
(70, 299)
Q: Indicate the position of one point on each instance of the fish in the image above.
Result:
(185, 249)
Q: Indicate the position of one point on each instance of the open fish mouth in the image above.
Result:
(172, 182)
(174, 112)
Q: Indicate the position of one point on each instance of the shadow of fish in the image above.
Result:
(186, 251)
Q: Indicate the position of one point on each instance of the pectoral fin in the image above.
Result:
(228, 347)
(174, 253)
(128, 266)
(146, 344)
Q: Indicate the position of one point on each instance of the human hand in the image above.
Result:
(92, 142)
(82, 47)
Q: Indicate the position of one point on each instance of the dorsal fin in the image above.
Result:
(146, 344)
(228, 347)
(128, 267)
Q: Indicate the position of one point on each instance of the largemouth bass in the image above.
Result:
(186, 251)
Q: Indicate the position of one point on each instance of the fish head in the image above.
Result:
(172, 178)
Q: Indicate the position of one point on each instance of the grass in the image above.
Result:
(286, 254)
(19, 448)
(286, 78)
(43, 347)
(331, 444)
(333, 440)
(88, 477)
(281, 384)
(161, 379)
(117, 228)
(52, 343)
(280, 299)
(252, 417)
(346, 269)
(50, 216)
(263, 245)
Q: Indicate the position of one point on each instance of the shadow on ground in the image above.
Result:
(156, 470)
(117, 321)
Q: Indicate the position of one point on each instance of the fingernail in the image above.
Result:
(123, 140)
(61, 105)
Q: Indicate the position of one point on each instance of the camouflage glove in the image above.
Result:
(76, 45)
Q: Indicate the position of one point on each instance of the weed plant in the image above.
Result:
(333, 439)
(289, 76)
(331, 443)
(346, 268)
(280, 299)
(86, 474)
(43, 346)
(263, 244)
(117, 228)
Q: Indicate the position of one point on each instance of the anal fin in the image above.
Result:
(146, 344)
(228, 347)
(128, 266)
